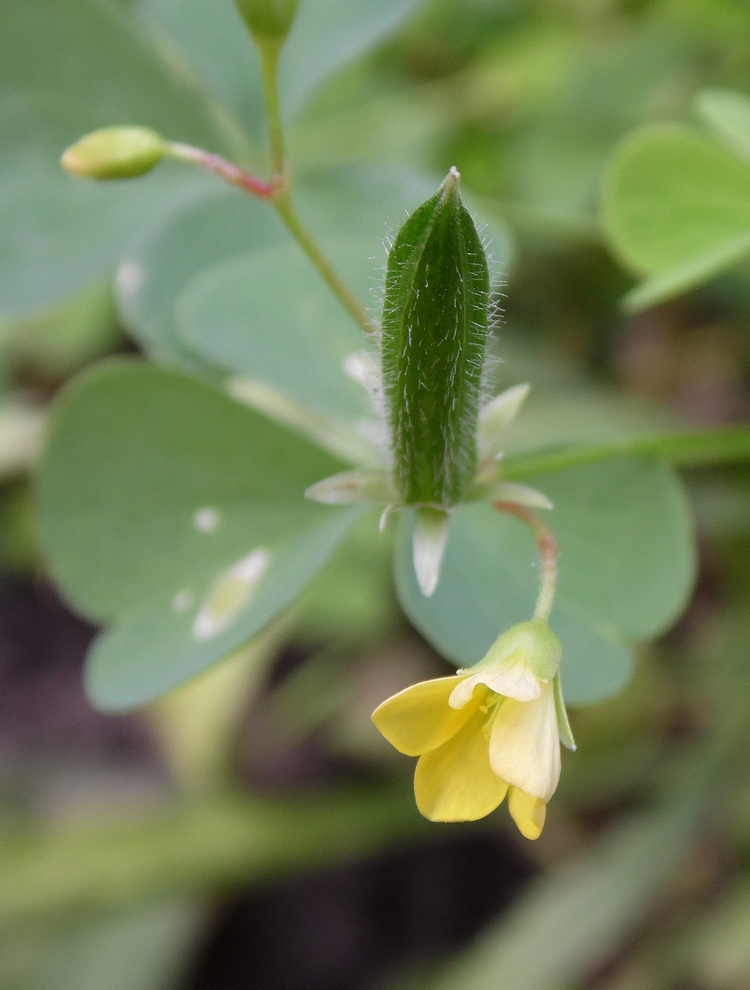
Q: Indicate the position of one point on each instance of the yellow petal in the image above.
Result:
(528, 813)
(419, 718)
(525, 744)
(455, 782)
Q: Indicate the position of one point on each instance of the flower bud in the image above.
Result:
(115, 153)
(268, 18)
(435, 321)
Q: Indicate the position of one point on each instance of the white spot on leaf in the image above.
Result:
(182, 601)
(230, 594)
(206, 520)
(129, 278)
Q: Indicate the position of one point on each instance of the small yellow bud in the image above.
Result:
(115, 153)
(271, 19)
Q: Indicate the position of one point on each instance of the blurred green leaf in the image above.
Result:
(143, 949)
(325, 36)
(269, 317)
(220, 224)
(626, 570)
(718, 945)
(582, 911)
(676, 208)
(178, 514)
(597, 93)
(68, 67)
(228, 843)
(352, 599)
(58, 340)
(728, 114)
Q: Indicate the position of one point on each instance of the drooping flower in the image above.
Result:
(487, 732)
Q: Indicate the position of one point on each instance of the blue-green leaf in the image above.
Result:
(175, 513)
(325, 36)
(66, 68)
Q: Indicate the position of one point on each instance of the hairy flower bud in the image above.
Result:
(434, 332)
(115, 153)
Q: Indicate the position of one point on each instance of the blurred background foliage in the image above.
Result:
(252, 830)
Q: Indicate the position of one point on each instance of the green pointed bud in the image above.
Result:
(432, 346)
(270, 19)
(115, 153)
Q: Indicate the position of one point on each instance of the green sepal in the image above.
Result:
(268, 18)
(563, 722)
(435, 321)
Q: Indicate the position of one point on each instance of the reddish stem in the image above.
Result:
(547, 544)
(226, 170)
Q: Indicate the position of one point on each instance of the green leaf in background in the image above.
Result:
(194, 847)
(67, 67)
(728, 114)
(59, 339)
(219, 224)
(626, 570)
(676, 208)
(325, 36)
(268, 316)
(576, 917)
(146, 948)
(176, 513)
(593, 91)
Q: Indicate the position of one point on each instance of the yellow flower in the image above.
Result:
(487, 732)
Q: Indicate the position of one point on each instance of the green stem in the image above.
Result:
(547, 544)
(269, 50)
(284, 207)
(278, 190)
(695, 449)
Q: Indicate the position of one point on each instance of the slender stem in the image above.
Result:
(269, 50)
(701, 448)
(224, 169)
(285, 209)
(278, 190)
(547, 544)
